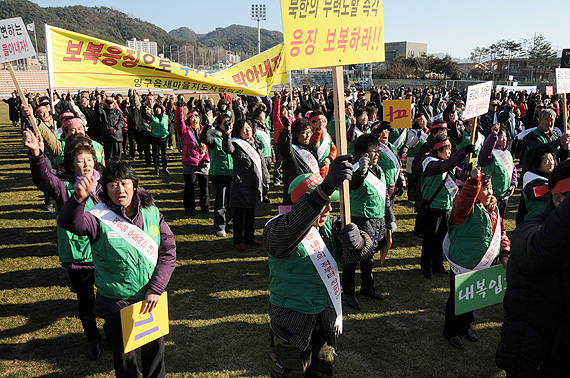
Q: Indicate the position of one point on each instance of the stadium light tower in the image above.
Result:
(258, 13)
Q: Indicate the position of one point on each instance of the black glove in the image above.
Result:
(399, 191)
(180, 102)
(363, 164)
(350, 237)
(470, 148)
(285, 122)
(340, 170)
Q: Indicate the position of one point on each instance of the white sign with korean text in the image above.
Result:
(14, 40)
(478, 98)
(563, 80)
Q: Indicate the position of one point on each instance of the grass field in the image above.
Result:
(218, 296)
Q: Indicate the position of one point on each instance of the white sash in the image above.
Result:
(488, 257)
(371, 178)
(132, 234)
(263, 135)
(388, 152)
(398, 143)
(326, 266)
(307, 158)
(503, 157)
(252, 153)
(522, 134)
(529, 176)
(449, 183)
(479, 141)
(325, 141)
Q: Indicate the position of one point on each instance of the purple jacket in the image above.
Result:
(191, 154)
(72, 217)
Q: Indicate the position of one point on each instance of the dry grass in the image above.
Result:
(218, 297)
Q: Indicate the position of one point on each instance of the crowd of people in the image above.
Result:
(459, 173)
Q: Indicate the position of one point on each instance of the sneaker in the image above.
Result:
(157, 171)
(49, 207)
(94, 350)
(277, 183)
(240, 247)
(221, 233)
(266, 200)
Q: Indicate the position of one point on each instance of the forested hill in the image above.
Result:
(115, 26)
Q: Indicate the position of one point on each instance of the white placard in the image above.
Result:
(549, 90)
(563, 80)
(14, 40)
(478, 98)
(517, 88)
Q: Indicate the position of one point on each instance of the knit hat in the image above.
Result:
(306, 183)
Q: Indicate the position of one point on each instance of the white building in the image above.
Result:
(145, 45)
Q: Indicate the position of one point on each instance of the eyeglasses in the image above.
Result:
(377, 151)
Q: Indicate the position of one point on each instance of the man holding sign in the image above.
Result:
(134, 255)
(475, 239)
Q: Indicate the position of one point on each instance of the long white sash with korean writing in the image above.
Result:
(376, 183)
(325, 142)
(388, 152)
(307, 158)
(264, 136)
(132, 234)
(503, 157)
(326, 265)
(252, 153)
(449, 183)
(486, 260)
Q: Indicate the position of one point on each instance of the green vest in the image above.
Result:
(394, 134)
(70, 247)
(159, 127)
(387, 165)
(443, 200)
(534, 206)
(96, 146)
(467, 140)
(294, 283)
(412, 151)
(121, 272)
(265, 141)
(221, 163)
(366, 202)
(543, 137)
(500, 175)
(470, 240)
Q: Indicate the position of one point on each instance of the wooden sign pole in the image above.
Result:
(341, 141)
(474, 132)
(22, 97)
(564, 114)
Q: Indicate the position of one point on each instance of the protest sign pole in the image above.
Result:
(564, 113)
(22, 97)
(341, 143)
(473, 138)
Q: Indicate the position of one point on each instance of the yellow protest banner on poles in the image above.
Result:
(332, 33)
(140, 329)
(77, 60)
(398, 113)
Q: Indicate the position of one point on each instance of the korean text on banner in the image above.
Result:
(479, 288)
(14, 40)
(79, 60)
(478, 98)
(398, 113)
(549, 90)
(563, 80)
(258, 69)
(140, 329)
(332, 33)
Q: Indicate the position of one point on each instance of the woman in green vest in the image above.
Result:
(475, 241)
(159, 136)
(540, 161)
(134, 254)
(221, 170)
(74, 251)
(258, 117)
(371, 211)
(439, 189)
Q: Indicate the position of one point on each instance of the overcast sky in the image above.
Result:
(448, 26)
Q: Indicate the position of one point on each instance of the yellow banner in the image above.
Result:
(140, 329)
(398, 113)
(332, 33)
(77, 60)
